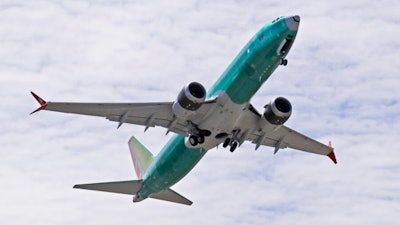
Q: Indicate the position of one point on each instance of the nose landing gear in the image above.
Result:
(284, 62)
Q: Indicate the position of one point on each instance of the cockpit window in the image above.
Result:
(273, 21)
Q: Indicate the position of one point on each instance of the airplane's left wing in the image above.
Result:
(146, 114)
(285, 137)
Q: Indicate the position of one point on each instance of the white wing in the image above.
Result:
(285, 137)
(146, 114)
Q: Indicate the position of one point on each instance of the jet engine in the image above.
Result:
(276, 113)
(189, 100)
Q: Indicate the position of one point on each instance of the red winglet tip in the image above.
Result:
(43, 103)
(332, 156)
(39, 99)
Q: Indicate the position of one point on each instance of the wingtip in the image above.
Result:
(332, 156)
(39, 99)
(43, 103)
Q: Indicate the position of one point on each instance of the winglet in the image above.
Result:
(43, 103)
(331, 154)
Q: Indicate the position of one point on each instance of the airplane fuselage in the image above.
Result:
(232, 91)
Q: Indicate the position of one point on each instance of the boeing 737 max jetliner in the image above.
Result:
(203, 120)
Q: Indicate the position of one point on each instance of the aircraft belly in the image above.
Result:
(178, 157)
(225, 118)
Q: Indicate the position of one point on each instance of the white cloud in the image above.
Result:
(341, 78)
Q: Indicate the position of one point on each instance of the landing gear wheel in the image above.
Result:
(233, 146)
(193, 140)
(284, 62)
(200, 139)
(226, 142)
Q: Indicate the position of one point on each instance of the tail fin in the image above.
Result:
(141, 156)
(142, 159)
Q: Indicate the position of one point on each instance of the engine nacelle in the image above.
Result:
(189, 100)
(276, 113)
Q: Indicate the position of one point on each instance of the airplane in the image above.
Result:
(203, 120)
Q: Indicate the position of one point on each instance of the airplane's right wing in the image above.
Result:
(146, 114)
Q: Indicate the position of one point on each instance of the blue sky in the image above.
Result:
(342, 81)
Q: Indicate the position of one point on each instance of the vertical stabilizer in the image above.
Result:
(141, 156)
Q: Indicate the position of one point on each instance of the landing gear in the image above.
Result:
(226, 142)
(284, 62)
(200, 139)
(193, 140)
(234, 146)
(196, 139)
(233, 142)
(196, 135)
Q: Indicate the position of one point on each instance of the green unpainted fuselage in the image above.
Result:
(240, 81)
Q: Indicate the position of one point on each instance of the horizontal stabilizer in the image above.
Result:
(171, 196)
(129, 187)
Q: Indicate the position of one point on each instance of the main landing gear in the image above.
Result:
(233, 142)
(196, 139)
(196, 135)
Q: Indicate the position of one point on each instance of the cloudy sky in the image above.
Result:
(342, 80)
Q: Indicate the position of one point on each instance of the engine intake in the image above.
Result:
(276, 113)
(189, 99)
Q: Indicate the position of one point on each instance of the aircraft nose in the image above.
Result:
(293, 22)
